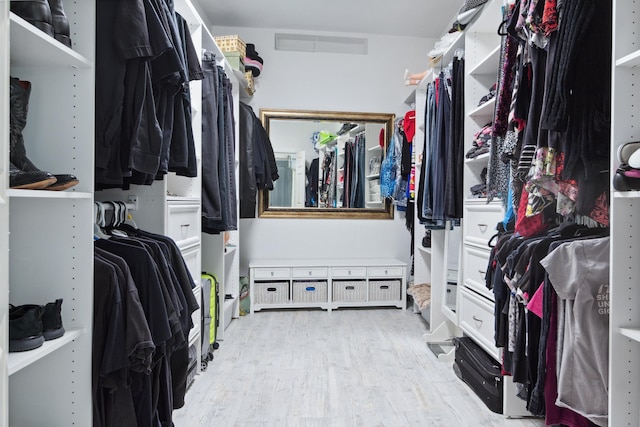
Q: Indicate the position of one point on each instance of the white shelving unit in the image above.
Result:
(431, 264)
(48, 253)
(624, 293)
(4, 214)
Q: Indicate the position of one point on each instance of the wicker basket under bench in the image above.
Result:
(327, 284)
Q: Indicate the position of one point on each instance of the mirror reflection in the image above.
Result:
(328, 162)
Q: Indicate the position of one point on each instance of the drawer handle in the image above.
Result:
(349, 273)
(349, 288)
(386, 272)
(272, 273)
(309, 273)
(271, 289)
(482, 272)
(478, 320)
(482, 227)
(310, 288)
(384, 287)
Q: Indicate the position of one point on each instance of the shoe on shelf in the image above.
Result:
(60, 23)
(20, 91)
(35, 180)
(36, 12)
(25, 327)
(426, 240)
(52, 320)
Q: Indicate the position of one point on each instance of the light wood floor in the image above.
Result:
(352, 367)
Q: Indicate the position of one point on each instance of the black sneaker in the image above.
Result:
(25, 327)
(52, 320)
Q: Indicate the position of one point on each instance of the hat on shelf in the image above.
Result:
(469, 10)
(252, 61)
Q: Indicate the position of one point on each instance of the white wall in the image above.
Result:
(334, 82)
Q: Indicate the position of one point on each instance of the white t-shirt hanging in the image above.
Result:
(579, 272)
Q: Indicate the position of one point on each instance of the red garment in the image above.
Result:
(409, 125)
(528, 226)
(549, 17)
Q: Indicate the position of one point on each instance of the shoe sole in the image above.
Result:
(25, 344)
(52, 334)
(63, 186)
(36, 185)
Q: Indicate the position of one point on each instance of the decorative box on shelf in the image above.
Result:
(231, 44)
(235, 60)
(250, 84)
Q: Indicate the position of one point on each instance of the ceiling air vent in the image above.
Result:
(326, 44)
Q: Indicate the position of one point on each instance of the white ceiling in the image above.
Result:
(417, 18)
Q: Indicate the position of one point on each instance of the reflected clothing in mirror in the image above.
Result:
(312, 184)
(354, 173)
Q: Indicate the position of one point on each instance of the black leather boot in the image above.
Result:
(60, 22)
(36, 12)
(36, 180)
(19, 105)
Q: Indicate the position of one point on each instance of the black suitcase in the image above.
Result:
(480, 371)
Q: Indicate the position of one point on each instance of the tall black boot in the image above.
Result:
(19, 105)
(60, 22)
(36, 12)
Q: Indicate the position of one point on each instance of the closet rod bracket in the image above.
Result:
(133, 200)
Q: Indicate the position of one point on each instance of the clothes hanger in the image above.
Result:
(99, 221)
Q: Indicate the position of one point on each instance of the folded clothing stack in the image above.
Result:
(481, 142)
(627, 176)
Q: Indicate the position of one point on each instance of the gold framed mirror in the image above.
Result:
(329, 164)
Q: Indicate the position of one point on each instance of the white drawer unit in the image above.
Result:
(477, 320)
(480, 222)
(384, 271)
(310, 292)
(309, 273)
(271, 273)
(327, 283)
(384, 290)
(270, 292)
(183, 223)
(349, 272)
(476, 262)
(350, 291)
(191, 258)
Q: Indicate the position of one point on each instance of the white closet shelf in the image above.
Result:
(31, 47)
(183, 199)
(44, 194)
(375, 148)
(631, 333)
(424, 250)
(626, 194)
(373, 176)
(488, 65)
(630, 60)
(229, 249)
(482, 158)
(483, 111)
(18, 361)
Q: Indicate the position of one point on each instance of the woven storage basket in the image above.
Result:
(384, 290)
(270, 292)
(308, 291)
(231, 44)
(349, 290)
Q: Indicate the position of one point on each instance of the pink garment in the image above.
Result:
(535, 303)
